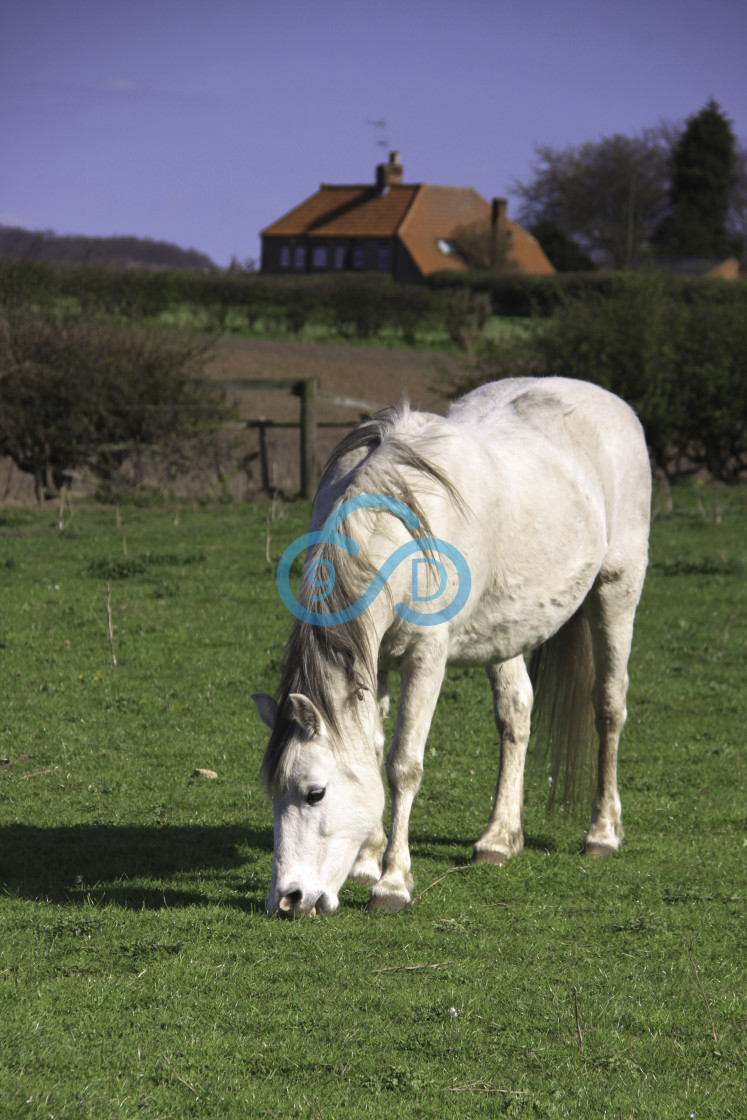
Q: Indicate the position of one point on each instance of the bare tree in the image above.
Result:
(607, 195)
(484, 247)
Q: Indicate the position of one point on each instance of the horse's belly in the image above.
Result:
(500, 627)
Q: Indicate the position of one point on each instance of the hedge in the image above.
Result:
(680, 362)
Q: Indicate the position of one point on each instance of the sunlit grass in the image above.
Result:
(139, 974)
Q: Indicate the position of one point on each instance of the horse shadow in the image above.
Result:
(459, 848)
(133, 866)
(144, 867)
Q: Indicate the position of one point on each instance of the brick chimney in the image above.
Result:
(498, 232)
(498, 216)
(389, 174)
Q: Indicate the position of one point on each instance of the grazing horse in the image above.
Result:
(532, 501)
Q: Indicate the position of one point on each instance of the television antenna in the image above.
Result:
(382, 141)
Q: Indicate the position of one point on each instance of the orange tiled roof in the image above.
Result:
(438, 214)
(527, 253)
(440, 211)
(346, 212)
(420, 214)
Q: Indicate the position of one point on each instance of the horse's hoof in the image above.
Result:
(387, 903)
(485, 855)
(599, 851)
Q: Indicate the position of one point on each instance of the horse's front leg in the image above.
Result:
(422, 674)
(367, 866)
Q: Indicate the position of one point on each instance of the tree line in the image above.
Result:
(613, 203)
(666, 192)
(112, 252)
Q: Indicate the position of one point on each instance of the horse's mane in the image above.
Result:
(380, 456)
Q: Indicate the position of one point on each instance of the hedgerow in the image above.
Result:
(674, 348)
(358, 307)
(679, 362)
(74, 392)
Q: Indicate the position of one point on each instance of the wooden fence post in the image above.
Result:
(309, 393)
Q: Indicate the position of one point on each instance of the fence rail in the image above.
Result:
(309, 393)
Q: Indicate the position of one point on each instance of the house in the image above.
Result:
(388, 226)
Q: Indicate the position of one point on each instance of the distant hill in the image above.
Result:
(114, 252)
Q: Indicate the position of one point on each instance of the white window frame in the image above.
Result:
(299, 258)
(339, 257)
(320, 257)
(285, 256)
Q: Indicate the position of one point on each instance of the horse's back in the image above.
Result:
(578, 428)
(597, 421)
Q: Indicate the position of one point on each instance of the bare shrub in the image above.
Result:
(74, 393)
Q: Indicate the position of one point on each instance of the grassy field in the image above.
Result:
(139, 974)
(429, 336)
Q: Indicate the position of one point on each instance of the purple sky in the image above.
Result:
(201, 122)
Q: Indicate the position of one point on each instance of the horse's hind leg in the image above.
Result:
(610, 609)
(512, 706)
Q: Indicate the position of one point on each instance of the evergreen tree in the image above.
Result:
(703, 170)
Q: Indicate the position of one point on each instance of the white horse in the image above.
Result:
(539, 492)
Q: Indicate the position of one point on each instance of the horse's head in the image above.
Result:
(327, 798)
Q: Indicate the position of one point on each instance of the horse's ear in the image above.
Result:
(307, 714)
(267, 708)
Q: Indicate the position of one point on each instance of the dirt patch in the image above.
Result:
(377, 376)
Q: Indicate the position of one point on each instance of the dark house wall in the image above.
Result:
(297, 255)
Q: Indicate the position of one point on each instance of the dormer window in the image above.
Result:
(448, 248)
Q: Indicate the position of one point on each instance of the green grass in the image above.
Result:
(139, 974)
(429, 336)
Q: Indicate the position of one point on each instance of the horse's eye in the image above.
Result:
(314, 796)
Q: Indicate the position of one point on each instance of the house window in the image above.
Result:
(384, 258)
(319, 256)
(359, 256)
(285, 256)
(448, 248)
(299, 258)
(339, 258)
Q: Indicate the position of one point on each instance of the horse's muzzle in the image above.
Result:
(293, 903)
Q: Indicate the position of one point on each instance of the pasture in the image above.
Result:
(139, 973)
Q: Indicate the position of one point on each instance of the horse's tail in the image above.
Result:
(562, 676)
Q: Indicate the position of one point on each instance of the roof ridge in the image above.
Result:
(412, 206)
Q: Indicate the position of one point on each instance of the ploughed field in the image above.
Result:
(372, 374)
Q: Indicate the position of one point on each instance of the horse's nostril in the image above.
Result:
(290, 900)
